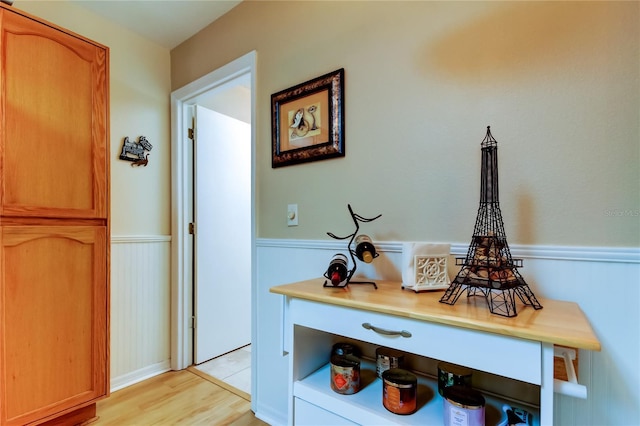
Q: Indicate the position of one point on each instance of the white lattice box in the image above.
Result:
(425, 266)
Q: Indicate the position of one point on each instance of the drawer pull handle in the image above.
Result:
(403, 333)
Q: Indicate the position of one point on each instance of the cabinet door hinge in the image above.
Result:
(193, 322)
(192, 129)
(192, 228)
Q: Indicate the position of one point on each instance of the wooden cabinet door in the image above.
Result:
(53, 129)
(54, 320)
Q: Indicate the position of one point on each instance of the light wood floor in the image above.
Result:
(176, 398)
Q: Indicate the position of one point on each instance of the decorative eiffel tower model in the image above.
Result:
(488, 269)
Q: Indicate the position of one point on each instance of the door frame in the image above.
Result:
(181, 186)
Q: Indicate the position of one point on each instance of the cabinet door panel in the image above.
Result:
(307, 414)
(54, 131)
(53, 310)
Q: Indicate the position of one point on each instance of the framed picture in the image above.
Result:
(308, 121)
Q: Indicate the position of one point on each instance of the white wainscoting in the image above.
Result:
(604, 281)
(140, 308)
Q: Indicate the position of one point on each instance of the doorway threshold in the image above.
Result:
(231, 371)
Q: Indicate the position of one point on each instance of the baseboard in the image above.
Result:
(269, 416)
(137, 376)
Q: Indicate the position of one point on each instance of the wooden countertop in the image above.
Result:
(560, 323)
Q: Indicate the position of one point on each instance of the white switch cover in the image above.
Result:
(292, 215)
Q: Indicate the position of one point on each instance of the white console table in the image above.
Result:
(520, 348)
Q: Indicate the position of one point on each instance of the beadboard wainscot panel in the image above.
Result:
(604, 281)
(140, 308)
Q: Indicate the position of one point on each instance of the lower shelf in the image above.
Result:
(365, 407)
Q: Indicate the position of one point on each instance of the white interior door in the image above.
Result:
(222, 243)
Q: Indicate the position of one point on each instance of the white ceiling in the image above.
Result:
(169, 23)
(166, 22)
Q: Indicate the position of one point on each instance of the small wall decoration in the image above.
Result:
(308, 121)
(135, 151)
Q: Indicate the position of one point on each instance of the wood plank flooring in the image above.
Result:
(175, 398)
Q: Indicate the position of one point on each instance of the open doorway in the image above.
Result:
(221, 235)
(228, 94)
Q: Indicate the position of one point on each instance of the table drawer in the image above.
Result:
(475, 349)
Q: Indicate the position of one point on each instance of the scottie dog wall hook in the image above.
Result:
(135, 151)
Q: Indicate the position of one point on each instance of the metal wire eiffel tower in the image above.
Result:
(488, 269)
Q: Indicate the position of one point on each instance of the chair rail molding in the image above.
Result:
(577, 253)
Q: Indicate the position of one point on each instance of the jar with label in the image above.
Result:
(343, 348)
(463, 406)
(345, 374)
(452, 374)
(387, 359)
(399, 391)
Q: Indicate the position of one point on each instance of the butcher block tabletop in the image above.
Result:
(558, 322)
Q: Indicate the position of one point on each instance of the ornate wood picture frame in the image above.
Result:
(308, 121)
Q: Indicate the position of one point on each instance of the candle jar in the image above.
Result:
(463, 406)
(345, 374)
(399, 391)
(387, 359)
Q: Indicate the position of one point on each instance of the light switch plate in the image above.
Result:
(292, 215)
